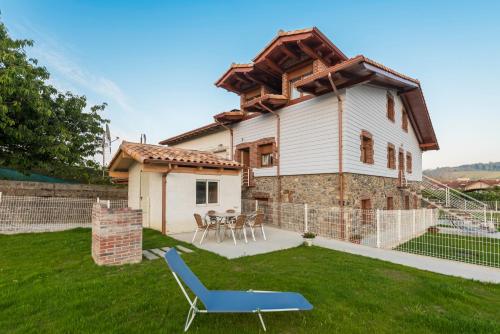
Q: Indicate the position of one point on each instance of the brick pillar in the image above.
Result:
(116, 235)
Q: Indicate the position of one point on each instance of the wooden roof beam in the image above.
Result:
(273, 66)
(284, 48)
(262, 82)
(307, 50)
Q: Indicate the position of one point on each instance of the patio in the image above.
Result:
(277, 239)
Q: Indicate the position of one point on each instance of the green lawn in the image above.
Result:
(478, 250)
(48, 283)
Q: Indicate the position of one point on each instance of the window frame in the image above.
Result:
(261, 155)
(367, 154)
(404, 120)
(391, 148)
(409, 163)
(391, 108)
(296, 75)
(207, 191)
(389, 199)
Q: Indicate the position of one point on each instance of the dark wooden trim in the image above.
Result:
(164, 203)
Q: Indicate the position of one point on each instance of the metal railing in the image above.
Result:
(453, 201)
(21, 214)
(430, 232)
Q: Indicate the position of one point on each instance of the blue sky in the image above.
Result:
(155, 62)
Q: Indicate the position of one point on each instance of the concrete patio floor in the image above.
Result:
(276, 240)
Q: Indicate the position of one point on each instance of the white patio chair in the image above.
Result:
(257, 222)
(238, 226)
(201, 226)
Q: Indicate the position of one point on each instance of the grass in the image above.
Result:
(479, 250)
(49, 283)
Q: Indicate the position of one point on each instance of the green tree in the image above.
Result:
(41, 128)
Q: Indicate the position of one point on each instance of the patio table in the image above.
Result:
(219, 217)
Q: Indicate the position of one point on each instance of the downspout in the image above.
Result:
(164, 201)
(278, 156)
(230, 129)
(340, 111)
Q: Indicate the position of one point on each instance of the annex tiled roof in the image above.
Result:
(145, 153)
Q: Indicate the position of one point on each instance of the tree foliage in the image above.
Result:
(42, 128)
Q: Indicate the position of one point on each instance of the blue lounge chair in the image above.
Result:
(230, 301)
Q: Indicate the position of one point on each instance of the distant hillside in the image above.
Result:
(490, 170)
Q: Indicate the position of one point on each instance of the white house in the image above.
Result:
(171, 184)
(315, 126)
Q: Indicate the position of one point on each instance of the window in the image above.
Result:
(391, 156)
(407, 202)
(366, 206)
(390, 107)
(415, 201)
(266, 155)
(390, 203)
(295, 76)
(409, 163)
(207, 192)
(366, 147)
(404, 120)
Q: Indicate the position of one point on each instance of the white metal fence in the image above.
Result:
(20, 214)
(493, 205)
(423, 231)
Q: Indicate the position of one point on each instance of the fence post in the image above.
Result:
(256, 205)
(399, 225)
(98, 201)
(496, 205)
(108, 203)
(447, 197)
(414, 222)
(306, 218)
(378, 228)
(0, 197)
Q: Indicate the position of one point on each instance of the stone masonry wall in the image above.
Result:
(322, 189)
(46, 189)
(116, 235)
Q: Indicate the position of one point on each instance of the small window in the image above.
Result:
(409, 163)
(390, 203)
(366, 213)
(207, 192)
(295, 76)
(391, 156)
(404, 121)
(366, 147)
(390, 107)
(266, 155)
(415, 201)
(407, 202)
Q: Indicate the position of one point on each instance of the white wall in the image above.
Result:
(365, 109)
(181, 199)
(210, 143)
(309, 136)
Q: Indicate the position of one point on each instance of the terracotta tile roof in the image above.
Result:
(352, 61)
(146, 152)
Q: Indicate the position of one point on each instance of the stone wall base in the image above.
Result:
(323, 189)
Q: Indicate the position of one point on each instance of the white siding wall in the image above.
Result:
(365, 109)
(209, 143)
(181, 199)
(309, 136)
